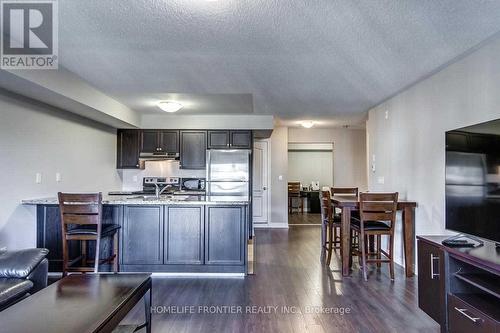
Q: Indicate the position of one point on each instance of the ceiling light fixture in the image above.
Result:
(307, 123)
(169, 106)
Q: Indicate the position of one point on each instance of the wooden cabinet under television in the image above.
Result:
(459, 287)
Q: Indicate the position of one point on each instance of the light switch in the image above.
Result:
(280, 177)
(381, 180)
(58, 177)
(38, 178)
(386, 114)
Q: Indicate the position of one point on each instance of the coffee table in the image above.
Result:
(80, 303)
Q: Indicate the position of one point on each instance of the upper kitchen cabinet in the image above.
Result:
(241, 139)
(153, 141)
(229, 139)
(193, 149)
(128, 146)
(218, 139)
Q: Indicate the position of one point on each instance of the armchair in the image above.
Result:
(22, 273)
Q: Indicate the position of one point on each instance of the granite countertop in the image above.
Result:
(164, 200)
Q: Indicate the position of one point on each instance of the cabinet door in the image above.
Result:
(225, 235)
(218, 139)
(241, 139)
(128, 143)
(184, 235)
(142, 235)
(431, 291)
(169, 141)
(193, 149)
(150, 141)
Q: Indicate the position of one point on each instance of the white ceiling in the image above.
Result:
(326, 60)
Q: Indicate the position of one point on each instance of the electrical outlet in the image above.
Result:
(38, 178)
(135, 179)
(280, 177)
(386, 114)
(58, 177)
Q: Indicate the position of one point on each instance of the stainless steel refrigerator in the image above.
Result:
(228, 172)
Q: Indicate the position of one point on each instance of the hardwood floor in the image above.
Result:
(301, 219)
(289, 273)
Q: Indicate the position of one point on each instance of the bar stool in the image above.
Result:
(377, 218)
(81, 220)
(329, 223)
(343, 191)
(294, 193)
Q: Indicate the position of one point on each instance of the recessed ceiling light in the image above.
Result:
(307, 123)
(170, 106)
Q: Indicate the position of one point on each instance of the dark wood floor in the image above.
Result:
(304, 219)
(289, 273)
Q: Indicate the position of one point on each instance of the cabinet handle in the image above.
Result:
(473, 319)
(432, 266)
(137, 165)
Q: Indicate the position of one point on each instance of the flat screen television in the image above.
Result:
(473, 180)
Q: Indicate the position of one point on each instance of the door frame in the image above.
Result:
(269, 188)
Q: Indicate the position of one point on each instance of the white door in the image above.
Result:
(260, 182)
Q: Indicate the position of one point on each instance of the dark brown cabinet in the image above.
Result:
(218, 139)
(225, 229)
(184, 235)
(241, 139)
(431, 281)
(153, 141)
(128, 146)
(193, 149)
(142, 235)
(229, 139)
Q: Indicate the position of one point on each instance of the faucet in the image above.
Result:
(159, 191)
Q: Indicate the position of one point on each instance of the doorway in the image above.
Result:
(311, 165)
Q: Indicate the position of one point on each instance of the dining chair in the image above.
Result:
(329, 223)
(294, 193)
(377, 217)
(343, 191)
(81, 220)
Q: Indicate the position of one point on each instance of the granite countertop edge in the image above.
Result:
(149, 202)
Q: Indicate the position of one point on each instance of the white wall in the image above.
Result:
(409, 145)
(349, 152)
(309, 166)
(36, 138)
(279, 167)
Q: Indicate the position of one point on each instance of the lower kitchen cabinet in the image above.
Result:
(161, 238)
(142, 235)
(225, 229)
(184, 235)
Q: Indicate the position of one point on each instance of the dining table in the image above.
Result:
(348, 204)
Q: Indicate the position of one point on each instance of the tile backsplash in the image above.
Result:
(132, 179)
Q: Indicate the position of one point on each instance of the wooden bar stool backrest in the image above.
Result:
(294, 189)
(378, 207)
(344, 191)
(326, 206)
(80, 210)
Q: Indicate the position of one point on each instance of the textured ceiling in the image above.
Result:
(321, 59)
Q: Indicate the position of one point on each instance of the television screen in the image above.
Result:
(473, 180)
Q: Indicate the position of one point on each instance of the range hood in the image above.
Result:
(160, 156)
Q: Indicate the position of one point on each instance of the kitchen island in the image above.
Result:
(181, 234)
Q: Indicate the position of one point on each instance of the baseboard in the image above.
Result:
(282, 225)
(200, 275)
